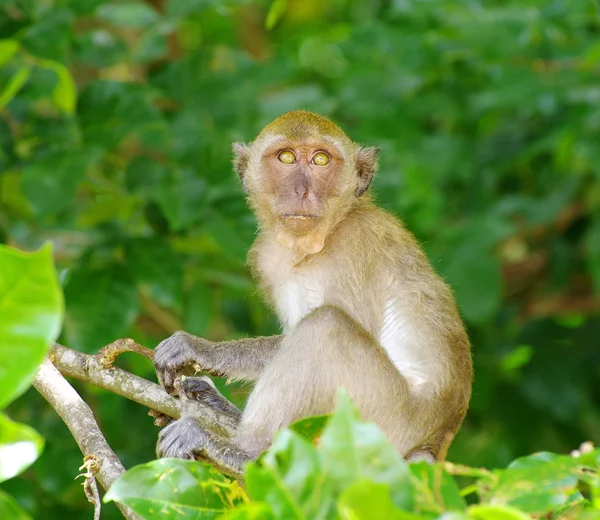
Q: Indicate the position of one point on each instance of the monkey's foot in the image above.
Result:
(182, 439)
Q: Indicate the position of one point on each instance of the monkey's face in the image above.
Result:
(303, 174)
(301, 180)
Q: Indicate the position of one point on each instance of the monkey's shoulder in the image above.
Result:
(377, 233)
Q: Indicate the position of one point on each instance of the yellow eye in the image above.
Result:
(287, 157)
(321, 159)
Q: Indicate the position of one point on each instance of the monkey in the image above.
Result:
(359, 303)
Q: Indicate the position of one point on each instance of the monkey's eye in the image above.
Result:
(287, 157)
(321, 159)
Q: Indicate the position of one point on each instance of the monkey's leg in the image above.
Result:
(325, 350)
(240, 359)
(187, 439)
(204, 390)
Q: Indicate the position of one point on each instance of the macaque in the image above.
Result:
(359, 304)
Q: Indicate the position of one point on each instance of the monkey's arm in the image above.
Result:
(238, 359)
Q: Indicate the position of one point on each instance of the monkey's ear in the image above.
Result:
(367, 158)
(241, 156)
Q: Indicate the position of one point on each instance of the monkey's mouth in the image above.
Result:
(299, 222)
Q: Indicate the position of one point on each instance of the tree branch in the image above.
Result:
(92, 369)
(80, 420)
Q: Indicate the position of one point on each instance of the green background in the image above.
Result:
(116, 123)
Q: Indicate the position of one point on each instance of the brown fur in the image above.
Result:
(359, 303)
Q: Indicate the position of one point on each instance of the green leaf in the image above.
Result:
(474, 275)
(9, 508)
(366, 500)
(8, 48)
(127, 14)
(311, 428)
(517, 358)
(109, 111)
(352, 450)
(157, 268)
(437, 487)
(14, 85)
(276, 11)
(64, 94)
(182, 198)
(252, 511)
(101, 306)
(489, 512)
(173, 487)
(20, 446)
(289, 478)
(143, 175)
(538, 484)
(199, 309)
(50, 182)
(31, 306)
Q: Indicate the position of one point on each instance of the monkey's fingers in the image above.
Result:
(166, 378)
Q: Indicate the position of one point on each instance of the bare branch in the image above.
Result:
(92, 369)
(80, 420)
(110, 352)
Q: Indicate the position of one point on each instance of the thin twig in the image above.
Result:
(80, 420)
(110, 352)
(91, 464)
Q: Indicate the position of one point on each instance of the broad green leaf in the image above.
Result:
(20, 446)
(174, 487)
(493, 512)
(539, 483)
(366, 500)
(31, 306)
(182, 198)
(8, 48)
(101, 306)
(50, 182)
(9, 508)
(437, 487)
(352, 450)
(266, 484)
(311, 428)
(14, 85)
(290, 479)
(251, 511)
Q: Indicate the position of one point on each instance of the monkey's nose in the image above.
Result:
(301, 190)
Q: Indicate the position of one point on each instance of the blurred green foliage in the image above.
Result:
(116, 121)
(356, 474)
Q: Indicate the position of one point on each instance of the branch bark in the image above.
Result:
(92, 369)
(79, 418)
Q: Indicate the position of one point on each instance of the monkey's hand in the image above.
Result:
(182, 439)
(175, 353)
